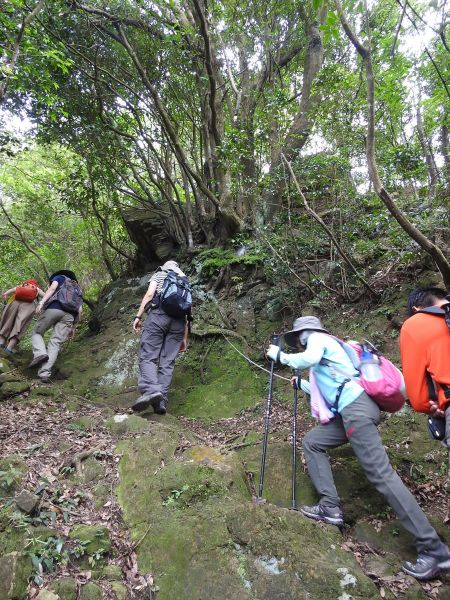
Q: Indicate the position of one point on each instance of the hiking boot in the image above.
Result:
(38, 361)
(145, 400)
(332, 515)
(428, 565)
(160, 406)
(44, 378)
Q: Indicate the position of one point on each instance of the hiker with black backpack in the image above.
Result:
(168, 302)
(425, 353)
(60, 308)
(355, 421)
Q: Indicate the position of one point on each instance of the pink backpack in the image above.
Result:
(378, 377)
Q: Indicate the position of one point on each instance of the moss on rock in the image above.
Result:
(66, 588)
(47, 595)
(15, 569)
(275, 540)
(91, 591)
(95, 538)
(201, 537)
(14, 388)
(12, 469)
(278, 475)
(214, 385)
(111, 572)
(123, 424)
(119, 590)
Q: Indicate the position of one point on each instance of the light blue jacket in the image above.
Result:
(320, 345)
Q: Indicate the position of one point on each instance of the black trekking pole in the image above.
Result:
(274, 340)
(295, 385)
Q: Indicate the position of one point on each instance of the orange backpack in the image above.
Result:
(27, 292)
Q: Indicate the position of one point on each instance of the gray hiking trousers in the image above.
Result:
(62, 323)
(160, 343)
(357, 424)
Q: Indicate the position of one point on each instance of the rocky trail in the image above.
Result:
(96, 502)
(59, 474)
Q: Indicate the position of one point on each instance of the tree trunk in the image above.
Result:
(426, 244)
(445, 154)
(433, 174)
(301, 127)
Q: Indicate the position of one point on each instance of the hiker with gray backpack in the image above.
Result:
(168, 303)
(353, 418)
(60, 308)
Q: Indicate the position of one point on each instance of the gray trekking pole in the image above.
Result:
(274, 340)
(295, 385)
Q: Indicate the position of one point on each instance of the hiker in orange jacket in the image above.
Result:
(425, 351)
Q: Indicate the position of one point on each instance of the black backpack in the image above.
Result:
(176, 296)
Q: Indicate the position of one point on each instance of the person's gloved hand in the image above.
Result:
(273, 352)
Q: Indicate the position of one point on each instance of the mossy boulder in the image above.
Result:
(11, 538)
(91, 591)
(66, 588)
(119, 590)
(13, 534)
(13, 376)
(282, 549)
(93, 470)
(278, 474)
(200, 535)
(83, 423)
(111, 572)
(387, 536)
(95, 539)
(214, 385)
(15, 570)
(47, 595)
(123, 424)
(12, 470)
(14, 388)
(5, 365)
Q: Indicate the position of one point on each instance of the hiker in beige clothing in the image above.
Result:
(17, 315)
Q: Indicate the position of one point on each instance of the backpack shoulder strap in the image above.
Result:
(349, 351)
(438, 311)
(432, 310)
(432, 385)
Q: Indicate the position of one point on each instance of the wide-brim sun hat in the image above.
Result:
(309, 323)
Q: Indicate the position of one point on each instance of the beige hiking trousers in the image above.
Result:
(15, 319)
(62, 323)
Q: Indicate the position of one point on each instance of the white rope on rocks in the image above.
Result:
(253, 362)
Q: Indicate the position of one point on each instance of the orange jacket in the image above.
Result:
(425, 346)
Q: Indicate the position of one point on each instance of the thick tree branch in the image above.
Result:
(302, 123)
(23, 240)
(328, 231)
(210, 69)
(15, 50)
(434, 251)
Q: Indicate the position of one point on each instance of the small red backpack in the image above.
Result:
(27, 292)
